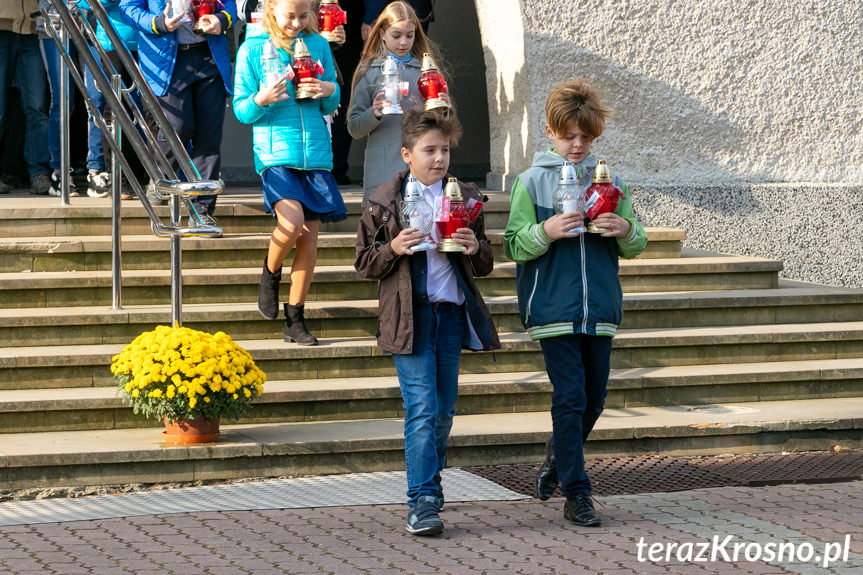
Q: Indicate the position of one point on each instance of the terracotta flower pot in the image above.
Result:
(197, 430)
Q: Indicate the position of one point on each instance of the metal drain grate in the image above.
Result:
(662, 473)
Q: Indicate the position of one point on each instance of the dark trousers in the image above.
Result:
(578, 367)
(195, 106)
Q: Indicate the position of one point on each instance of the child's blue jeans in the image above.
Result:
(428, 379)
(577, 366)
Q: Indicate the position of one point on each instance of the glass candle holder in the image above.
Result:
(431, 84)
(304, 67)
(567, 195)
(416, 213)
(601, 197)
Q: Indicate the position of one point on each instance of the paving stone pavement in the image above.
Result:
(495, 537)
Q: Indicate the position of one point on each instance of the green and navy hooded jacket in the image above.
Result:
(289, 133)
(570, 285)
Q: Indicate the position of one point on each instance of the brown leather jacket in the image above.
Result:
(376, 260)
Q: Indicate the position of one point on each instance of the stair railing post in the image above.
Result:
(65, 113)
(176, 267)
(116, 221)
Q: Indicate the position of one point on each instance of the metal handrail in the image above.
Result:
(65, 24)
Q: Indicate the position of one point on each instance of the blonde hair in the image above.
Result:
(576, 102)
(375, 47)
(277, 35)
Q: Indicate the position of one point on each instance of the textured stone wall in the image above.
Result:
(816, 230)
(714, 100)
(706, 92)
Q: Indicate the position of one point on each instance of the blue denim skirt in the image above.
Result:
(316, 190)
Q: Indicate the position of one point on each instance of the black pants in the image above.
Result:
(195, 106)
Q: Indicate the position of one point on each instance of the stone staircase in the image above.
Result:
(716, 355)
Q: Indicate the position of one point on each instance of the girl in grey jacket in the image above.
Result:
(397, 33)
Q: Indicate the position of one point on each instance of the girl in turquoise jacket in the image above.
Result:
(292, 150)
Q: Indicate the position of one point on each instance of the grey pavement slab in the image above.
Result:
(495, 537)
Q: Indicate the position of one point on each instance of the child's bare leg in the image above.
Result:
(305, 259)
(289, 214)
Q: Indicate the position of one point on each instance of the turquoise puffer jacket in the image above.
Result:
(289, 133)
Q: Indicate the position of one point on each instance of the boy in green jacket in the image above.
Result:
(568, 292)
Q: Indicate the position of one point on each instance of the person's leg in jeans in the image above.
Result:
(564, 358)
(95, 150)
(428, 379)
(210, 96)
(195, 107)
(52, 63)
(32, 81)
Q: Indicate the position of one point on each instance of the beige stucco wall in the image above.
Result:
(706, 92)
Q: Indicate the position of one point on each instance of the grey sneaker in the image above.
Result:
(423, 518)
(42, 186)
(155, 199)
(206, 220)
(98, 184)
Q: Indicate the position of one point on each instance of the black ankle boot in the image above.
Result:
(268, 296)
(546, 477)
(295, 326)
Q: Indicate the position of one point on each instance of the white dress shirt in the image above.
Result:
(441, 284)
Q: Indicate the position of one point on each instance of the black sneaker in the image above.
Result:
(423, 518)
(546, 477)
(5, 188)
(579, 510)
(55, 186)
(98, 184)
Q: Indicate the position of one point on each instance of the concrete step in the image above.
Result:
(96, 325)
(87, 365)
(94, 408)
(239, 210)
(138, 455)
(93, 253)
(341, 282)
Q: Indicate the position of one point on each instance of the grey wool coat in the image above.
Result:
(383, 151)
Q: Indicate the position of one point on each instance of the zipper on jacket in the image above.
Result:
(532, 292)
(303, 129)
(583, 284)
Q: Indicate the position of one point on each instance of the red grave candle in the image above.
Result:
(454, 216)
(202, 8)
(601, 197)
(431, 84)
(330, 17)
(304, 67)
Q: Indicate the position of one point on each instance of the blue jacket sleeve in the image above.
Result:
(246, 85)
(137, 13)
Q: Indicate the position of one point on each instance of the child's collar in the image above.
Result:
(588, 162)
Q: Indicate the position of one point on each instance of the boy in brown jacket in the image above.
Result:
(429, 307)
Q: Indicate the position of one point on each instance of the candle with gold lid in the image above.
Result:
(304, 67)
(601, 197)
(431, 84)
(452, 216)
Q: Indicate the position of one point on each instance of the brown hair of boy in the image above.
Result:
(576, 102)
(416, 123)
(278, 36)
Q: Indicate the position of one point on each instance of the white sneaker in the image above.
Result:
(98, 184)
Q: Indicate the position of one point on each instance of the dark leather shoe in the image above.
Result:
(546, 477)
(580, 511)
